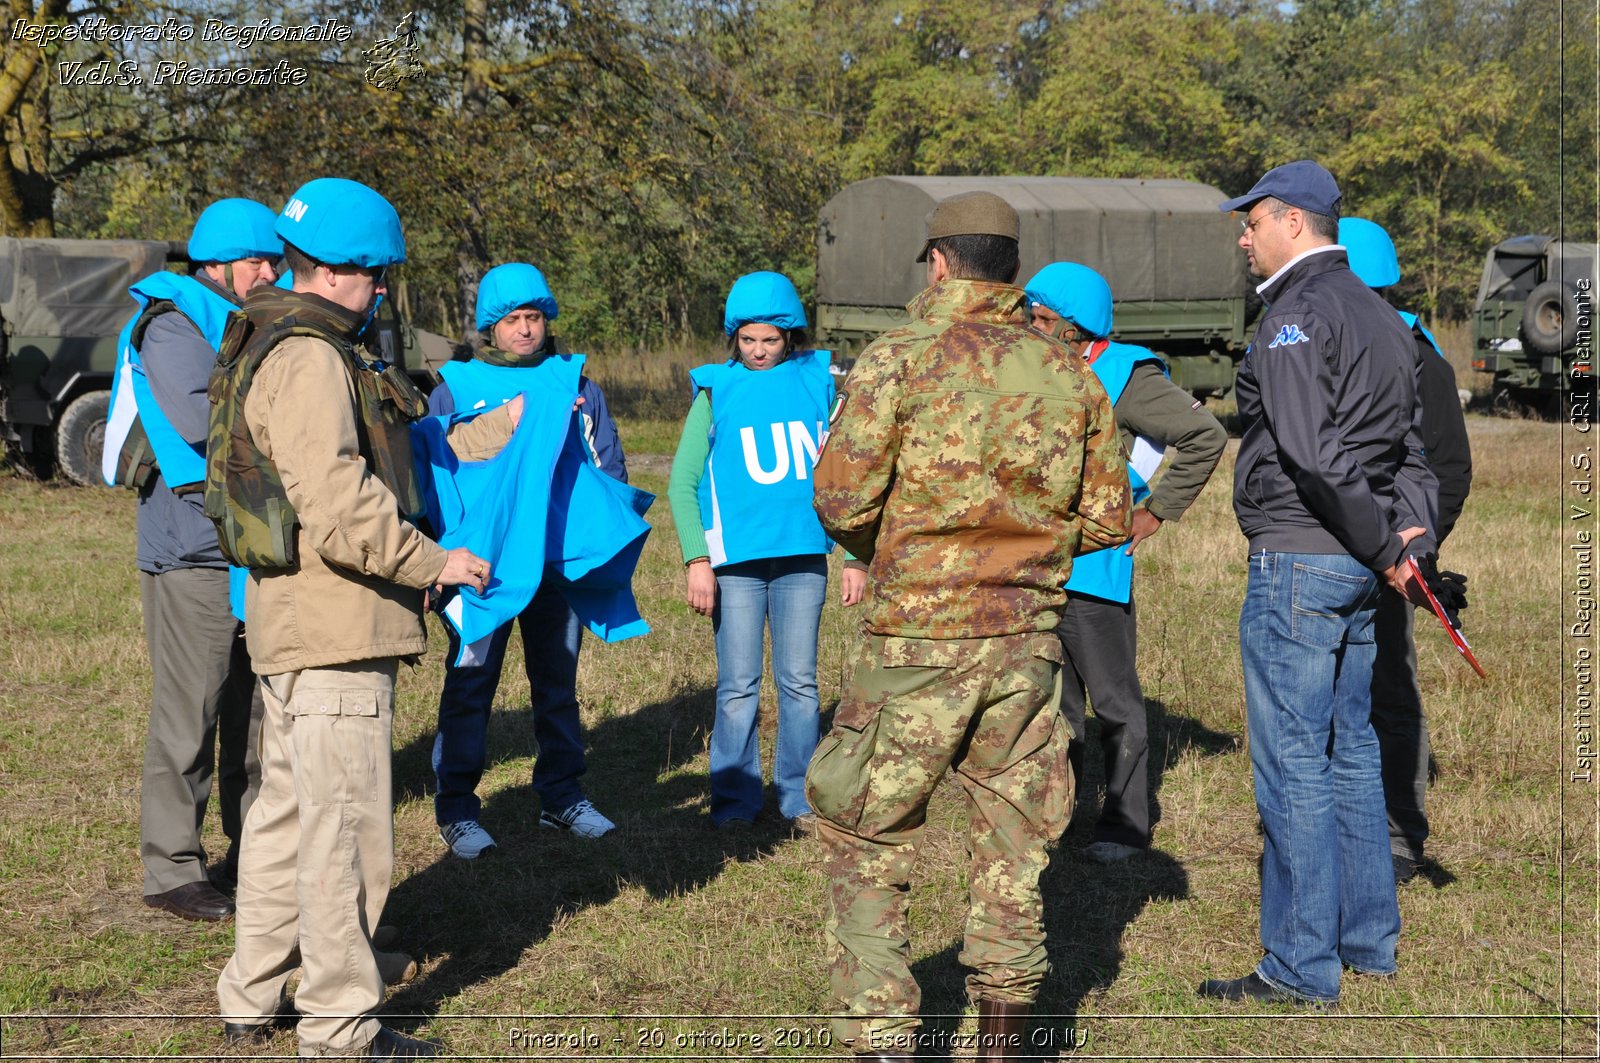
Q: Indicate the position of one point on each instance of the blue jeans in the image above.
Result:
(1327, 884)
(551, 636)
(788, 593)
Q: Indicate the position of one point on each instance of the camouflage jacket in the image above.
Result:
(969, 459)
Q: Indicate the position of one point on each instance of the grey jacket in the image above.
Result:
(174, 531)
(1331, 460)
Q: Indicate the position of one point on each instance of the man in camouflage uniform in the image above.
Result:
(969, 458)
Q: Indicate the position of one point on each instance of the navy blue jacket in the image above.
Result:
(1331, 460)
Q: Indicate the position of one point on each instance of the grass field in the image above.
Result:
(670, 940)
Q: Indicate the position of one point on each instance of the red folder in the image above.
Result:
(1449, 628)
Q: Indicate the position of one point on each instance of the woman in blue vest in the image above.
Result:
(756, 555)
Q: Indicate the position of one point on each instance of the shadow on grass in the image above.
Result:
(1087, 906)
(481, 916)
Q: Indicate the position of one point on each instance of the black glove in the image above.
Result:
(1450, 588)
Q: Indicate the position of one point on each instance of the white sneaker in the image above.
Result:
(466, 839)
(582, 819)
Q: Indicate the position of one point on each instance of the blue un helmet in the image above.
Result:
(231, 229)
(1077, 293)
(343, 223)
(1371, 252)
(508, 286)
(763, 298)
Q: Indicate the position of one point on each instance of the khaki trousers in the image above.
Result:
(317, 856)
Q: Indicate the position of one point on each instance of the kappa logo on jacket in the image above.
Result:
(1288, 336)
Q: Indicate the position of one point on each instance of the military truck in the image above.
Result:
(1172, 259)
(62, 305)
(1526, 318)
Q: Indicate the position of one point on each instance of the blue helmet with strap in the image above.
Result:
(764, 298)
(1371, 252)
(1075, 292)
(509, 286)
(231, 229)
(343, 223)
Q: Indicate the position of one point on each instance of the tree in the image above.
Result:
(56, 131)
(1131, 90)
(1427, 161)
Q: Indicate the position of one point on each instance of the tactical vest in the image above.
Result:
(256, 524)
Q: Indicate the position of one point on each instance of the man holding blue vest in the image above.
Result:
(311, 481)
(1331, 491)
(514, 311)
(1396, 699)
(155, 444)
(1072, 303)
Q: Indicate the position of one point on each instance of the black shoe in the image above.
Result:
(257, 1033)
(390, 1045)
(193, 900)
(1251, 987)
(1405, 868)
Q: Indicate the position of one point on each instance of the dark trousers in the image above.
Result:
(551, 637)
(204, 714)
(1102, 647)
(1402, 729)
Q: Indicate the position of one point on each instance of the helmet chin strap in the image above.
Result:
(377, 301)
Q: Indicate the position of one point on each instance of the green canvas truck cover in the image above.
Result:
(60, 288)
(1151, 239)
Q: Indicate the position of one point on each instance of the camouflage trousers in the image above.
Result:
(985, 709)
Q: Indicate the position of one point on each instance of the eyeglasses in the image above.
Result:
(1249, 225)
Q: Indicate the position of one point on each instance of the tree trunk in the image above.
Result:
(27, 191)
(472, 250)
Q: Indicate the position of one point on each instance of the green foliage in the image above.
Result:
(646, 152)
(1426, 161)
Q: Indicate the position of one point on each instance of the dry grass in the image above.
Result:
(558, 936)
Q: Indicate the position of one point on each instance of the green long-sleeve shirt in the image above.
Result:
(683, 485)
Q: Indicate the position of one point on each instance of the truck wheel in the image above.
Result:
(1550, 318)
(80, 436)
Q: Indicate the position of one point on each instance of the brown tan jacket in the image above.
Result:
(357, 592)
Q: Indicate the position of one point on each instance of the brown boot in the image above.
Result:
(1002, 1031)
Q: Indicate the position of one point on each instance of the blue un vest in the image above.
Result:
(1416, 326)
(766, 429)
(181, 463)
(477, 383)
(538, 510)
(1108, 573)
